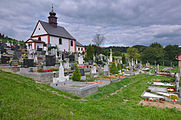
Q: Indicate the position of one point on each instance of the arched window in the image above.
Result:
(60, 41)
(39, 38)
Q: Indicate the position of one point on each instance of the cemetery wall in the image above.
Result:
(82, 91)
(46, 77)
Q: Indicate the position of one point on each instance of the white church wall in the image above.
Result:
(55, 41)
(39, 30)
(44, 39)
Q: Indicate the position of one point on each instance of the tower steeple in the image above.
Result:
(52, 19)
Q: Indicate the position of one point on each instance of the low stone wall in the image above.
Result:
(6, 68)
(81, 89)
(44, 77)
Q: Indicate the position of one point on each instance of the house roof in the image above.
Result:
(79, 44)
(56, 31)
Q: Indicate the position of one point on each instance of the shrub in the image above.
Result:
(173, 97)
(119, 66)
(40, 70)
(76, 74)
(113, 69)
(54, 69)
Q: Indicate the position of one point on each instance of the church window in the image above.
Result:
(60, 41)
(81, 49)
(39, 28)
(39, 38)
(78, 49)
(71, 43)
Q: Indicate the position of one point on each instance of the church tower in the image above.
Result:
(52, 19)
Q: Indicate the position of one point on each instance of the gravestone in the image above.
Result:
(177, 81)
(4, 59)
(61, 77)
(50, 60)
(28, 63)
(110, 57)
(17, 54)
(90, 62)
(106, 69)
(80, 60)
(71, 58)
(93, 70)
(82, 72)
(66, 64)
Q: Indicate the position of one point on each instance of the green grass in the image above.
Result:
(22, 98)
(172, 71)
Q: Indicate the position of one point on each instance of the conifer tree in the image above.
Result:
(76, 74)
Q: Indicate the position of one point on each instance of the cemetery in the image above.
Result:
(51, 75)
(74, 77)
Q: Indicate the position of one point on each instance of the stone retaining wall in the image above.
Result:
(84, 90)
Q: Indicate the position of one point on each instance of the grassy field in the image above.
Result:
(22, 98)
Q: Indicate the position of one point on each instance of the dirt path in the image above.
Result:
(160, 105)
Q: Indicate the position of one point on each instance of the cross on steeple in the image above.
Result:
(52, 7)
(52, 18)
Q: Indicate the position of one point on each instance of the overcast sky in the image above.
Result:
(122, 22)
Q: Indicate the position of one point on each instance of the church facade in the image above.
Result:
(47, 34)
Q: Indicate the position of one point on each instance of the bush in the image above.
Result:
(40, 70)
(76, 75)
(54, 69)
(173, 97)
(119, 66)
(113, 69)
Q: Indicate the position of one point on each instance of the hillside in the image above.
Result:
(22, 98)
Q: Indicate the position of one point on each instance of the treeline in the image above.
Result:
(5, 39)
(155, 53)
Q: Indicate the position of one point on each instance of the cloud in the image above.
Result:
(122, 22)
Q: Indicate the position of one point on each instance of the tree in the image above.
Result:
(89, 53)
(119, 66)
(153, 54)
(123, 58)
(76, 74)
(170, 53)
(98, 39)
(113, 68)
(133, 53)
(156, 45)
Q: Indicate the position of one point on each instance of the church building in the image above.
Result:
(47, 34)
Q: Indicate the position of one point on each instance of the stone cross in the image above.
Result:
(110, 58)
(177, 82)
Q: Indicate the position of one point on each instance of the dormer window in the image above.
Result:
(60, 41)
(71, 43)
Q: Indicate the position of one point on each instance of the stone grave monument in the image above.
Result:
(82, 72)
(80, 60)
(94, 71)
(61, 77)
(106, 69)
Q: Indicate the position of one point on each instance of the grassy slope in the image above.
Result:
(22, 98)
